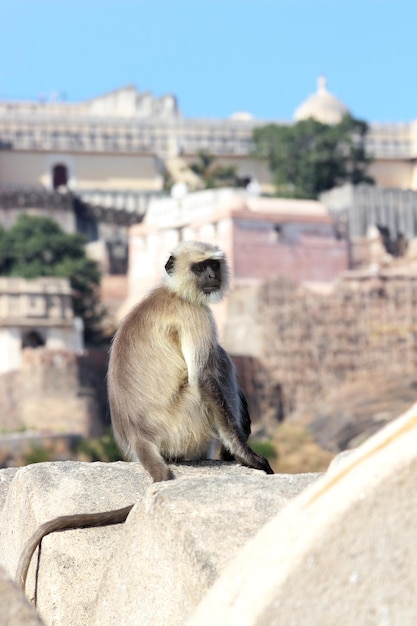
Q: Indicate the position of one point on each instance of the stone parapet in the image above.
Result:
(47, 299)
(341, 553)
(155, 568)
(223, 544)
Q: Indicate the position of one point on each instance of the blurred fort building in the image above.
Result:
(113, 150)
(47, 381)
(110, 156)
(99, 167)
(36, 313)
(258, 235)
(126, 140)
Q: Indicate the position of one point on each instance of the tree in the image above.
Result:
(214, 175)
(309, 157)
(37, 246)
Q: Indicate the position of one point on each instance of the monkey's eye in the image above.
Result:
(198, 268)
(202, 266)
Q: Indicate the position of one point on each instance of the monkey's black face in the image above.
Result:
(208, 275)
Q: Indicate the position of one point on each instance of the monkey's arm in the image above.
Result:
(66, 522)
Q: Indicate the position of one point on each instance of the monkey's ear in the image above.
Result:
(170, 265)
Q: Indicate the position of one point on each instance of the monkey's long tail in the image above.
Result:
(66, 522)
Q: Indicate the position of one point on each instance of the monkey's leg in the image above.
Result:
(225, 454)
(249, 458)
(235, 446)
(151, 459)
(229, 428)
(238, 446)
(246, 426)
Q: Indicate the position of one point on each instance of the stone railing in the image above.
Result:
(63, 126)
(361, 206)
(114, 207)
(165, 137)
(34, 197)
(192, 207)
(129, 202)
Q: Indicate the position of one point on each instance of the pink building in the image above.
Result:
(263, 237)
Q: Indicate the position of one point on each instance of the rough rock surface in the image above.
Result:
(180, 535)
(6, 477)
(15, 609)
(343, 552)
(224, 544)
(72, 562)
(350, 413)
(180, 538)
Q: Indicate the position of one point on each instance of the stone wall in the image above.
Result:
(356, 208)
(36, 312)
(10, 395)
(56, 391)
(309, 342)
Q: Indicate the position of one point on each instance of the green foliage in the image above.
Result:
(308, 157)
(37, 246)
(168, 181)
(3, 253)
(214, 175)
(37, 455)
(264, 447)
(102, 448)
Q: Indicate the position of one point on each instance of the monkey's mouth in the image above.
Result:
(211, 288)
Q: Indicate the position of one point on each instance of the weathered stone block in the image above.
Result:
(15, 609)
(180, 538)
(6, 477)
(343, 552)
(157, 566)
(71, 563)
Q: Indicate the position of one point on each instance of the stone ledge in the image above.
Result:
(184, 534)
(343, 552)
(185, 531)
(15, 609)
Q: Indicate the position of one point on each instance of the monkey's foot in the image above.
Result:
(256, 462)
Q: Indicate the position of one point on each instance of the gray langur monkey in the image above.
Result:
(172, 387)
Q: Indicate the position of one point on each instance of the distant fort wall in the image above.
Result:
(356, 208)
(48, 382)
(55, 391)
(291, 345)
(306, 343)
(126, 121)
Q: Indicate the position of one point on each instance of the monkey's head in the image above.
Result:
(197, 272)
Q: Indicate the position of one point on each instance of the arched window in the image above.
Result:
(32, 339)
(59, 176)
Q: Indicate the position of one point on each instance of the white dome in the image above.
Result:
(242, 116)
(322, 106)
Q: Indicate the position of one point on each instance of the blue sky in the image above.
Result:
(217, 56)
